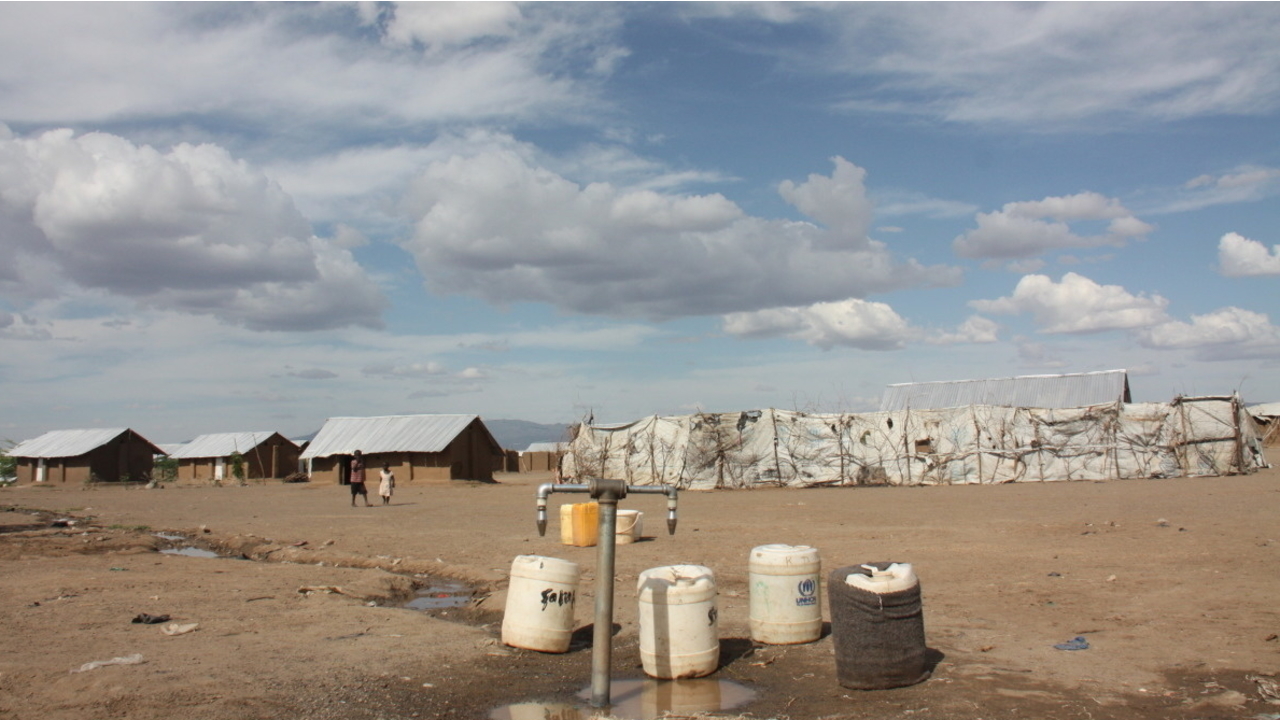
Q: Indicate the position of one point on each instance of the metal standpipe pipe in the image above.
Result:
(607, 493)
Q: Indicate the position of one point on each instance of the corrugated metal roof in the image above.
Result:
(66, 443)
(215, 445)
(1040, 391)
(389, 433)
(170, 448)
(1265, 409)
(547, 447)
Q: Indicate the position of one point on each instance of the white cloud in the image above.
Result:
(20, 327)
(1026, 266)
(493, 224)
(191, 229)
(1056, 64)
(1238, 256)
(1244, 184)
(975, 329)
(617, 164)
(314, 374)
(354, 185)
(899, 203)
(1077, 305)
(1029, 228)
(408, 370)
(347, 237)
(451, 23)
(839, 202)
(1081, 206)
(323, 65)
(848, 323)
(472, 373)
(1226, 334)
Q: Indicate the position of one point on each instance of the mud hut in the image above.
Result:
(259, 455)
(419, 448)
(542, 456)
(84, 456)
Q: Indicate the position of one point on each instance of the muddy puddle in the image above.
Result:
(190, 551)
(439, 594)
(177, 544)
(443, 598)
(639, 699)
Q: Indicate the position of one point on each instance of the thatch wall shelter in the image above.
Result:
(1267, 415)
(542, 457)
(976, 444)
(80, 456)
(419, 448)
(264, 456)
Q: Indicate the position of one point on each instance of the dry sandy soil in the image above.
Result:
(1173, 582)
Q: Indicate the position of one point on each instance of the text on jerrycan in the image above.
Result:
(551, 596)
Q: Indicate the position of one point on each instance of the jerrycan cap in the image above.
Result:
(894, 578)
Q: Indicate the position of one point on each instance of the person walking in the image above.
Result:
(387, 484)
(357, 480)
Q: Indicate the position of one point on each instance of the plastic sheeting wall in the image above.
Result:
(976, 444)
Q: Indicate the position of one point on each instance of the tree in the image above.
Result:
(237, 467)
(8, 463)
(165, 469)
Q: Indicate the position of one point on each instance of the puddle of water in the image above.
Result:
(191, 552)
(168, 536)
(644, 699)
(440, 595)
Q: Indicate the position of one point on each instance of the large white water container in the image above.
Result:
(786, 605)
(679, 622)
(540, 602)
(629, 526)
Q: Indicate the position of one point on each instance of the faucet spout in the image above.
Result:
(546, 489)
(671, 493)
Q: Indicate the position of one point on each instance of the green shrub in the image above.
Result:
(165, 469)
(8, 463)
(237, 467)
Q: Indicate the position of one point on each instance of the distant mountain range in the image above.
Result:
(510, 434)
(518, 434)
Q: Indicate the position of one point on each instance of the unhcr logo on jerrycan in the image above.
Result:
(786, 605)
(807, 592)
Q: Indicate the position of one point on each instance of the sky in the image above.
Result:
(247, 217)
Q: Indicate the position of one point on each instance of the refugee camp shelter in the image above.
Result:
(260, 455)
(417, 447)
(542, 456)
(1201, 436)
(1267, 415)
(81, 456)
(1068, 390)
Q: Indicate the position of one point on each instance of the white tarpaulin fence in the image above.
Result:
(975, 444)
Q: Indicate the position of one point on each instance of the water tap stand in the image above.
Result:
(607, 493)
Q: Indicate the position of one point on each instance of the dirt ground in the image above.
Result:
(1173, 582)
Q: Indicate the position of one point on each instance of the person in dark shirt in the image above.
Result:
(357, 480)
